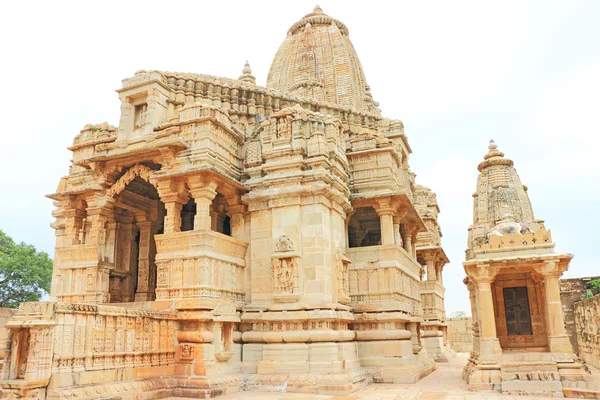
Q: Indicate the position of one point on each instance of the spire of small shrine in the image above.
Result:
(494, 157)
(247, 74)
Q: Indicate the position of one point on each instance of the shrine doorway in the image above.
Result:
(139, 216)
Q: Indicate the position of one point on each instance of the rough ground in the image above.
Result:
(443, 384)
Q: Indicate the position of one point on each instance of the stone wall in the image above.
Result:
(460, 334)
(4, 314)
(114, 350)
(572, 291)
(587, 325)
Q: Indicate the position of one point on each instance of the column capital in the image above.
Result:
(551, 269)
(401, 212)
(429, 256)
(385, 206)
(172, 190)
(99, 204)
(201, 182)
(482, 273)
(238, 209)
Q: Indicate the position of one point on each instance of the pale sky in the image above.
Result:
(457, 73)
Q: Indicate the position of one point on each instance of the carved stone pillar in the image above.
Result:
(431, 270)
(408, 238)
(397, 218)
(557, 335)
(73, 225)
(174, 195)
(99, 213)
(147, 253)
(414, 234)
(439, 269)
(489, 344)
(237, 221)
(203, 192)
(486, 307)
(386, 215)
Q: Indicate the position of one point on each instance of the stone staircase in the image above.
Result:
(530, 374)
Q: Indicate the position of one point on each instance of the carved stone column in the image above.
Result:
(557, 335)
(474, 315)
(398, 216)
(490, 345)
(439, 268)
(203, 192)
(174, 195)
(73, 225)
(386, 215)
(99, 213)
(431, 270)
(147, 253)
(408, 238)
(237, 221)
(414, 234)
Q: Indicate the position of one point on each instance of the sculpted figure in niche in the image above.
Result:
(140, 116)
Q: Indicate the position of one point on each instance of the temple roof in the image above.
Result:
(317, 60)
(501, 202)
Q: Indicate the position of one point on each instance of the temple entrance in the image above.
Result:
(520, 320)
(138, 217)
(516, 308)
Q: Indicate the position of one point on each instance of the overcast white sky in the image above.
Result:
(457, 73)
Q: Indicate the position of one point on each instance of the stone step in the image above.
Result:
(530, 375)
(520, 357)
(545, 388)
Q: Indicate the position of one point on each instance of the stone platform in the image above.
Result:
(444, 383)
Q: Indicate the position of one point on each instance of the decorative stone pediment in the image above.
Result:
(137, 170)
(284, 244)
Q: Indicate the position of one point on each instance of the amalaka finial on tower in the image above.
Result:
(492, 145)
(247, 74)
(318, 10)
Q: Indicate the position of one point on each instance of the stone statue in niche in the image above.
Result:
(284, 274)
(283, 128)
(140, 116)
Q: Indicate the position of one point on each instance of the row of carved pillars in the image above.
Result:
(393, 229)
(203, 191)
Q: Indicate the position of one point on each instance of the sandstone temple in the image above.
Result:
(520, 344)
(227, 236)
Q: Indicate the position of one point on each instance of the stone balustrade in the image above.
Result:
(200, 264)
(386, 275)
(57, 344)
(432, 297)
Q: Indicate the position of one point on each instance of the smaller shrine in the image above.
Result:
(432, 257)
(520, 345)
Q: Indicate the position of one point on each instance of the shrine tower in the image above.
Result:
(520, 343)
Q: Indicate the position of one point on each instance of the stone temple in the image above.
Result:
(228, 236)
(520, 344)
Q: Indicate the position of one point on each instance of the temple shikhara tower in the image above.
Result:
(520, 343)
(227, 236)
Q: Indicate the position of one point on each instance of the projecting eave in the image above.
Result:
(563, 258)
(403, 138)
(437, 250)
